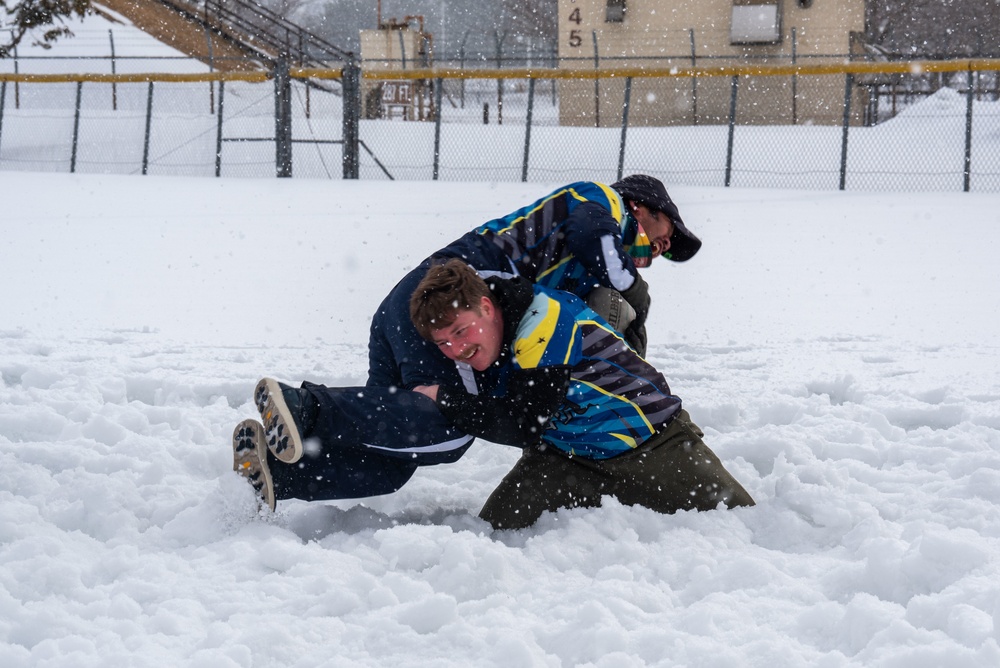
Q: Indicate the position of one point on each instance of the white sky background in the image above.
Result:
(839, 349)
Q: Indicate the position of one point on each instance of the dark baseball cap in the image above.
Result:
(650, 192)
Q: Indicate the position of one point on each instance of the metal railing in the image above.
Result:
(268, 30)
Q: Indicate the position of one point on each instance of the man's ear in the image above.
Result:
(486, 307)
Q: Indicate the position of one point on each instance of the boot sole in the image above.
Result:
(280, 432)
(250, 459)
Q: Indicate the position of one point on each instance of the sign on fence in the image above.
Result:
(397, 96)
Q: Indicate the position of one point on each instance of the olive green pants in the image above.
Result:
(674, 470)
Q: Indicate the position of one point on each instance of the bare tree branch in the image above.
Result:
(24, 16)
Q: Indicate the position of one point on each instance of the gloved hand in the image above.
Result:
(636, 337)
(638, 298)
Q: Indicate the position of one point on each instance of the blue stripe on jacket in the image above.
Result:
(557, 240)
(616, 400)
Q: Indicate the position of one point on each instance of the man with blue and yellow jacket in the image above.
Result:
(593, 417)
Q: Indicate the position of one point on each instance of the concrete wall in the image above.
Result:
(683, 33)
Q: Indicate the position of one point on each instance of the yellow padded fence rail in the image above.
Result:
(581, 72)
(142, 77)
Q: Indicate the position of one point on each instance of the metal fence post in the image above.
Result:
(732, 129)
(694, 81)
(351, 89)
(218, 128)
(967, 170)
(461, 66)
(795, 79)
(114, 86)
(17, 86)
(437, 128)
(149, 118)
(848, 85)
(498, 38)
(3, 100)
(597, 83)
(302, 51)
(76, 127)
(527, 129)
(625, 107)
(211, 68)
(555, 63)
(282, 119)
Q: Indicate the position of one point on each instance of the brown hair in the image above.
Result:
(445, 290)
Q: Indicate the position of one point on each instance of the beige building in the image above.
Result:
(397, 46)
(706, 33)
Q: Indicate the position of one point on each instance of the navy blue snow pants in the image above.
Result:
(366, 441)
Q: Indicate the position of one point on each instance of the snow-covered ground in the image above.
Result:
(840, 351)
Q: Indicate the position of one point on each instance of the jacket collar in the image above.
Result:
(512, 296)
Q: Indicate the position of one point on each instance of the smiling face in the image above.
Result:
(474, 337)
(657, 226)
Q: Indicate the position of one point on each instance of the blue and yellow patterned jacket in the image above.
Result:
(571, 381)
(573, 239)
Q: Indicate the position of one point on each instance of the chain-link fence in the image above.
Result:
(726, 126)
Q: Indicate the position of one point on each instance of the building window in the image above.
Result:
(758, 23)
(616, 11)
